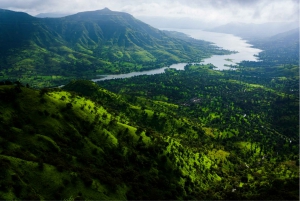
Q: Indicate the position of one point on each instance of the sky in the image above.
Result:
(221, 11)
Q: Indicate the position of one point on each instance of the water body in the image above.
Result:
(226, 41)
(179, 66)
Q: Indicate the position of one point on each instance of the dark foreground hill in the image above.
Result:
(45, 51)
(85, 142)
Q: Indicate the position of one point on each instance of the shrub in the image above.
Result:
(44, 91)
(46, 113)
(43, 100)
(86, 178)
(69, 106)
(60, 168)
(17, 189)
(41, 165)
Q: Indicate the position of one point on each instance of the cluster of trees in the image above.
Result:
(255, 120)
(192, 134)
(203, 143)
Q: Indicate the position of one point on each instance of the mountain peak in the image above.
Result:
(14, 14)
(92, 15)
(105, 9)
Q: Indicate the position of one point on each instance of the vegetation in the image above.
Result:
(160, 137)
(197, 134)
(250, 118)
(248, 127)
(51, 52)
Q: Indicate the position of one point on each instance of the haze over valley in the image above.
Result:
(149, 100)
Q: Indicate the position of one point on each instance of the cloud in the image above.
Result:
(257, 11)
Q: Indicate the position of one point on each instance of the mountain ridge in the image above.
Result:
(86, 44)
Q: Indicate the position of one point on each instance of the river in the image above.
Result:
(226, 41)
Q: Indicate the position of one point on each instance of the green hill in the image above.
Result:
(196, 134)
(56, 145)
(84, 142)
(242, 113)
(49, 51)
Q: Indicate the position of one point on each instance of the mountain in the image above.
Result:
(289, 41)
(51, 15)
(280, 54)
(197, 134)
(85, 44)
(247, 31)
(284, 39)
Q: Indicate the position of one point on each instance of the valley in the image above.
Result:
(102, 42)
(218, 62)
(184, 132)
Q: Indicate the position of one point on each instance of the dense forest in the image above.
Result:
(192, 134)
(251, 112)
(197, 134)
(90, 143)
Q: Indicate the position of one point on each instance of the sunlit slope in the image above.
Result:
(56, 144)
(94, 144)
(242, 114)
(47, 133)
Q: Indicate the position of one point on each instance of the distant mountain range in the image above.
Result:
(283, 48)
(52, 15)
(255, 30)
(197, 134)
(93, 42)
(285, 39)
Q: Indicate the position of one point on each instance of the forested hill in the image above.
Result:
(88, 143)
(86, 44)
(255, 105)
(279, 59)
(282, 48)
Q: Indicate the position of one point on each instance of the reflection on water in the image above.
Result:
(225, 41)
(179, 66)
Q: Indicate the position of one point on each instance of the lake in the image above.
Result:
(226, 41)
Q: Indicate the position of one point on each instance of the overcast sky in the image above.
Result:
(223, 11)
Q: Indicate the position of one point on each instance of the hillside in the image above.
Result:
(251, 112)
(86, 142)
(279, 62)
(193, 134)
(59, 145)
(51, 51)
(284, 47)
